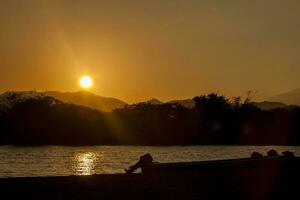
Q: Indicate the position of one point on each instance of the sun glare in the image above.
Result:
(85, 82)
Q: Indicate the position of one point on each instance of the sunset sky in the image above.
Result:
(135, 50)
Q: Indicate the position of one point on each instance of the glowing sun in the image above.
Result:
(85, 82)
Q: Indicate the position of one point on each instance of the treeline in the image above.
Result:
(214, 120)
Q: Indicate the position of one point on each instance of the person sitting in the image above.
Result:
(288, 154)
(144, 161)
(256, 155)
(272, 153)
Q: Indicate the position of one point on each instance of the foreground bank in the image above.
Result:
(261, 184)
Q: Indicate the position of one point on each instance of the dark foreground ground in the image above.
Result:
(266, 184)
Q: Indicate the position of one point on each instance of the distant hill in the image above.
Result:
(268, 105)
(79, 98)
(264, 105)
(106, 104)
(188, 103)
(88, 99)
(18, 94)
(290, 98)
(154, 101)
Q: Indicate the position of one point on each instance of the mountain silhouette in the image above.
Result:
(290, 98)
(82, 98)
(106, 104)
(155, 101)
(268, 105)
(88, 99)
(188, 103)
(19, 94)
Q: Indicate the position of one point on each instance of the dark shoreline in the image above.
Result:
(188, 185)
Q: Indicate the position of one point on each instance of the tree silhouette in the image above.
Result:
(39, 120)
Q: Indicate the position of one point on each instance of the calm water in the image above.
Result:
(62, 161)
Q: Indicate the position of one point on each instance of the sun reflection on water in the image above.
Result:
(85, 163)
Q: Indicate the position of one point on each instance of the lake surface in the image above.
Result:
(63, 161)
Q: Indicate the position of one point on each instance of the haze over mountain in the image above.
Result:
(189, 103)
(291, 97)
(154, 101)
(269, 105)
(107, 104)
(83, 98)
(88, 99)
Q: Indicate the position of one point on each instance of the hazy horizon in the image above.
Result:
(253, 95)
(136, 50)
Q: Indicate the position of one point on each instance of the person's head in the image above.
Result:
(288, 154)
(146, 158)
(272, 152)
(256, 155)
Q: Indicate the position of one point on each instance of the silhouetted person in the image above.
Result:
(256, 155)
(288, 154)
(144, 161)
(272, 153)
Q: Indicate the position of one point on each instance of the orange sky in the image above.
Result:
(137, 50)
